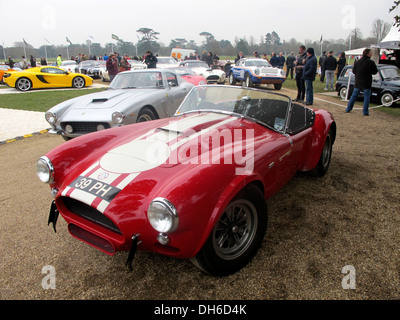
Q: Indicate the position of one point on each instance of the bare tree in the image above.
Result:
(380, 29)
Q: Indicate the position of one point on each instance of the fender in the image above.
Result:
(321, 128)
(236, 185)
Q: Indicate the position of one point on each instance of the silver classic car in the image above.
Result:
(133, 96)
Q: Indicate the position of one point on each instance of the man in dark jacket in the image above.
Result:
(299, 63)
(309, 72)
(290, 64)
(330, 64)
(322, 65)
(112, 66)
(363, 70)
(151, 60)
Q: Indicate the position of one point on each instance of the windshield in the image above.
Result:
(195, 64)
(166, 60)
(128, 80)
(267, 108)
(257, 63)
(391, 73)
(183, 71)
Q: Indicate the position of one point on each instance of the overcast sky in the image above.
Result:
(79, 20)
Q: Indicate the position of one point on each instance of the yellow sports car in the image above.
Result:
(45, 77)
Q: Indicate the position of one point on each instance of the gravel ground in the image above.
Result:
(317, 227)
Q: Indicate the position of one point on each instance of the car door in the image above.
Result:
(177, 91)
(238, 70)
(53, 77)
(377, 83)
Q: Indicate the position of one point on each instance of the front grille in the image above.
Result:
(89, 213)
(213, 78)
(84, 127)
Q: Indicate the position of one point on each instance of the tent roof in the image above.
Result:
(392, 40)
(355, 52)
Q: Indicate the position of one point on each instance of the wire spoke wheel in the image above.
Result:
(235, 230)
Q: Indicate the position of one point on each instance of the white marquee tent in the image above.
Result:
(392, 40)
(355, 52)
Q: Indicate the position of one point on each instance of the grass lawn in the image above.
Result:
(41, 100)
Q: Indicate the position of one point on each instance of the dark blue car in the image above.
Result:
(385, 84)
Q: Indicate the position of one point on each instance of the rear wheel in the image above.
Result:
(325, 159)
(343, 93)
(23, 84)
(237, 235)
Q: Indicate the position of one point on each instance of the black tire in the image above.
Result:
(232, 80)
(325, 159)
(66, 138)
(237, 236)
(23, 84)
(343, 93)
(78, 82)
(248, 82)
(278, 86)
(146, 114)
(387, 99)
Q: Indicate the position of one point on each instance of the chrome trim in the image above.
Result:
(171, 208)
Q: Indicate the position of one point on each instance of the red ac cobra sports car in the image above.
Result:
(191, 186)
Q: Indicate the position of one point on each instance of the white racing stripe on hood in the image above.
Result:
(121, 165)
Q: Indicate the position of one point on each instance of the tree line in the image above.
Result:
(149, 40)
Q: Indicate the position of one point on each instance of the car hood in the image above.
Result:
(109, 98)
(147, 156)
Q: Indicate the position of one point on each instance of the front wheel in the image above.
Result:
(23, 84)
(146, 114)
(248, 81)
(237, 235)
(278, 86)
(78, 82)
(232, 80)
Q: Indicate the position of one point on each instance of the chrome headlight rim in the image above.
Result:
(45, 170)
(118, 117)
(170, 214)
(51, 118)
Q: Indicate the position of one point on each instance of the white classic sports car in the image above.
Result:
(69, 65)
(135, 65)
(166, 62)
(255, 71)
(202, 69)
(133, 96)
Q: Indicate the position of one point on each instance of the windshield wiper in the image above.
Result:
(129, 87)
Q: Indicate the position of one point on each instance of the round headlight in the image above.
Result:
(202, 83)
(100, 127)
(117, 117)
(257, 71)
(51, 118)
(45, 170)
(162, 215)
(69, 128)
